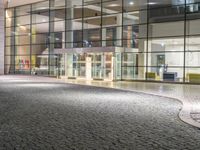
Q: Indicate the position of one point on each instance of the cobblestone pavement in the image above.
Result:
(188, 94)
(38, 114)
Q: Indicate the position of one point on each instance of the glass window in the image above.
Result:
(9, 13)
(22, 50)
(134, 32)
(166, 74)
(40, 49)
(168, 59)
(166, 44)
(39, 38)
(112, 7)
(22, 30)
(8, 50)
(166, 29)
(192, 74)
(193, 27)
(40, 28)
(92, 10)
(192, 59)
(166, 14)
(23, 10)
(192, 43)
(132, 5)
(22, 40)
(135, 17)
(40, 12)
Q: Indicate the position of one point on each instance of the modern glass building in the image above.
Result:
(145, 40)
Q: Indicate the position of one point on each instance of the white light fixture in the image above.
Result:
(151, 3)
(113, 5)
(131, 3)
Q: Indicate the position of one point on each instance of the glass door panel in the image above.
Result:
(97, 66)
(108, 66)
(81, 65)
(117, 66)
(71, 65)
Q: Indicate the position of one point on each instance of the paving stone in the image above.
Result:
(37, 114)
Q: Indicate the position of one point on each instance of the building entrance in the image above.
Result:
(90, 66)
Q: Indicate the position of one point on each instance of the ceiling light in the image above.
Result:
(131, 3)
(113, 5)
(151, 3)
(175, 43)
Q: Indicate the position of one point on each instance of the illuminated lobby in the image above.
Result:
(110, 40)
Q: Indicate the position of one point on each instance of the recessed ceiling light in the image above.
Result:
(131, 3)
(162, 44)
(113, 5)
(152, 3)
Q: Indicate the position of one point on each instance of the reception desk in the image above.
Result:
(170, 76)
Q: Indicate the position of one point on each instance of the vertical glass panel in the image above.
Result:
(9, 32)
(174, 74)
(112, 7)
(8, 60)
(59, 26)
(22, 64)
(135, 17)
(74, 9)
(22, 30)
(133, 73)
(40, 12)
(22, 50)
(8, 50)
(8, 41)
(166, 59)
(23, 10)
(9, 13)
(40, 28)
(133, 66)
(9, 19)
(40, 49)
(134, 31)
(92, 35)
(166, 29)
(165, 3)
(93, 10)
(193, 75)
(165, 14)
(193, 27)
(59, 4)
(58, 14)
(192, 59)
(22, 40)
(39, 38)
(192, 43)
(86, 2)
(193, 10)
(39, 64)
(131, 5)
(166, 44)
(71, 65)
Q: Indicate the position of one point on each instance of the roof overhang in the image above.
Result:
(89, 50)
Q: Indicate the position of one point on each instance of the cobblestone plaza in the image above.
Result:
(52, 115)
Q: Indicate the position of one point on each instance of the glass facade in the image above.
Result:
(158, 40)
